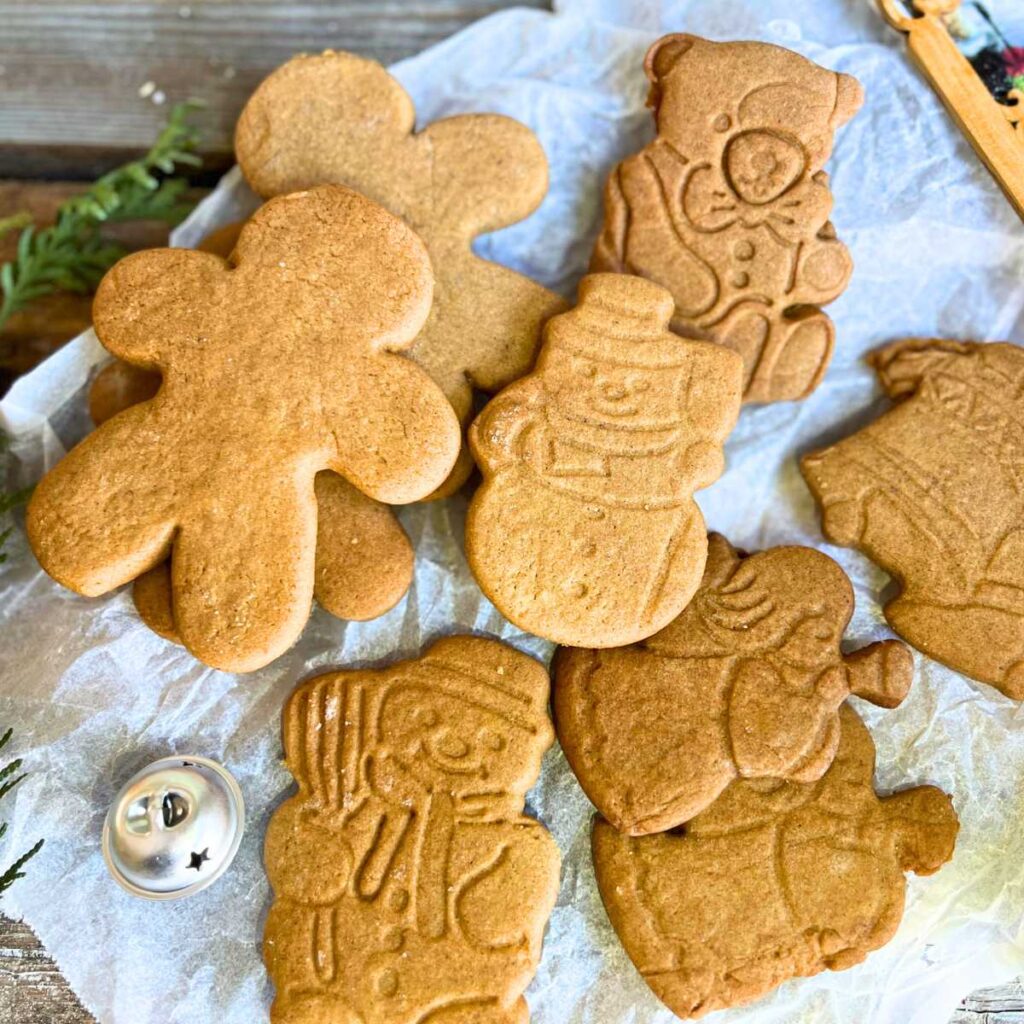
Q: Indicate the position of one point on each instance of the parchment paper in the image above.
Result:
(94, 696)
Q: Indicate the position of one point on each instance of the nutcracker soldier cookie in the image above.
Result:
(409, 885)
(746, 683)
(933, 491)
(729, 208)
(585, 530)
(775, 880)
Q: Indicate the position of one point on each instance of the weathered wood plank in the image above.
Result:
(71, 71)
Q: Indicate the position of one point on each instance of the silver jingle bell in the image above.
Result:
(174, 828)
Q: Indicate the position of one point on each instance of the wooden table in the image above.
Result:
(85, 86)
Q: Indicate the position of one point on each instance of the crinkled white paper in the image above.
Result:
(94, 696)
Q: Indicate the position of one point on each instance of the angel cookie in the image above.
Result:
(933, 491)
(585, 530)
(775, 880)
(409, 886)
(336, 117)
(275, 366)
(729, 208)
(364, 561)
(746, 683)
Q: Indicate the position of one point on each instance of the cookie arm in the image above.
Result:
(397, 438)
(496, 435)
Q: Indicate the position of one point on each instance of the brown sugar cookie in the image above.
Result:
(746, 683)
(408, 883)
(585, 530)
(775, 880)
(275, 366)
(728, 207)
(336, 117)
(933, 491)
(364, 561)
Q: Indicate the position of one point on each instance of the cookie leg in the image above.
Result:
(796, 354)
(242, 575)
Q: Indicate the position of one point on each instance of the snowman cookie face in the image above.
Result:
(585, 531)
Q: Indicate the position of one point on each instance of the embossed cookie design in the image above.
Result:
(729, 208)
(585, 530)
(746, 683)
(775, 880)
(336, 117)
(276, 366)
(409, 886)
(933, 491)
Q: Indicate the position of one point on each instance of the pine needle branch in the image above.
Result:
(72, 255)
(14, 872)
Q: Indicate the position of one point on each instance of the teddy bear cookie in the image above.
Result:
(746, 683)
(729, 208)
(933, 491)
(337, 117)
(276, 365)
(775, 880)
(408, 884)
(364, 561)
(584, 530)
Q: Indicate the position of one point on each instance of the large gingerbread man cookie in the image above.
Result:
(364, 561)
(408, 884)
(933, 491)
(729, 208)
(277, 365)
(336, 117)
(776, 880)
(746, 683)
(585, 530)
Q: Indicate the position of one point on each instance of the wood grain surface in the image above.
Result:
(71, 73)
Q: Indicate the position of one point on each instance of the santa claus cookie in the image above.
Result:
(728, 207)
(408, 884)
(585, 530)
(364, 561)
(745, 683)
(933, 491)
(275, 366)
(336, 117)
(775, 880)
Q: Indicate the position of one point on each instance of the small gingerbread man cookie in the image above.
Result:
(275, 366)
(337, 117)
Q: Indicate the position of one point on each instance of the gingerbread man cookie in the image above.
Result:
(745, 683)
(275, 366)
(728, 208)
(585, 530)
(775, 880)
(933, 491)
(408, 883)
(364, 561)
(336, 117)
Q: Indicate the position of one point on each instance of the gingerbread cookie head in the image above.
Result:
(336, 117)
(585, 531)
(406, 876)
(276, 365)
(776, 880)
(931, 491)
(728, 208)
(745, 683)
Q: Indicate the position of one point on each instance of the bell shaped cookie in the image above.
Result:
(728, 208)
(585, 531)
(776, 880)
(408, 884)
(746, 683)
(337, 117)
(364, 561)
(275, 366)
(933, 491)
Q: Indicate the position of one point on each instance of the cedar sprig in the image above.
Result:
(10, 775)
(9, 500)
(72, 255)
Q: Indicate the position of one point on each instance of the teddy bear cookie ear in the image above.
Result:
(661, 59)
(849, 99)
